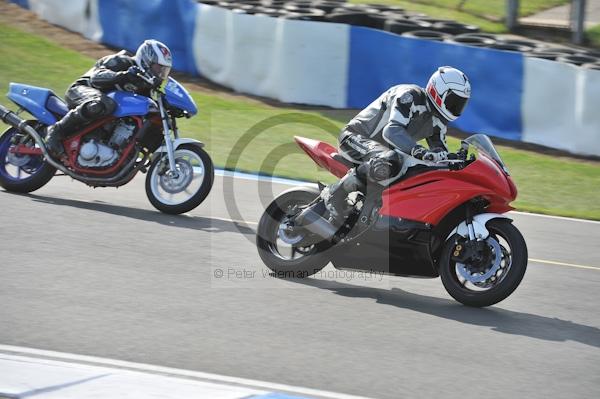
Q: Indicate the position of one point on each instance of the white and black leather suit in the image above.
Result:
(398, 119)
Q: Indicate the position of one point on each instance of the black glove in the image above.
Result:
(135, 71)
(424, 154)
(135, 76)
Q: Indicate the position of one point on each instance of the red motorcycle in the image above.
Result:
(438, 219)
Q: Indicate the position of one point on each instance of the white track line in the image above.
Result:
(229, 220)
(556, 217)
(177, 372)
(551, 262)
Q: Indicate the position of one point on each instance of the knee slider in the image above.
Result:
(98, 108)
(384, 166)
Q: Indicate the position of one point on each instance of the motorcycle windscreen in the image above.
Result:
(177, 96)
(484, 144)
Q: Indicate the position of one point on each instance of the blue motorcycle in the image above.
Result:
(140, 136)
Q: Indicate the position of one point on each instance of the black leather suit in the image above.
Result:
(108, 74)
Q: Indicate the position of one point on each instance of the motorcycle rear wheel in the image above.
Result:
(22, 173)
(511, 267)
(273, 250)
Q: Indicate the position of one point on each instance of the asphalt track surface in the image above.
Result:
(101, 273)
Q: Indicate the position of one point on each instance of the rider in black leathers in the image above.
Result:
(394, 122)
(87, 100)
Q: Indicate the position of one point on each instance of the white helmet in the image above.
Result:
(154, 58)
(448, 90)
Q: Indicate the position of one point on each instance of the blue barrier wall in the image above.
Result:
(127, 23)
(379, 60)
(22, 3)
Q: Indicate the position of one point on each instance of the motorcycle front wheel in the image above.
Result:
(497, 272)
(180, 191)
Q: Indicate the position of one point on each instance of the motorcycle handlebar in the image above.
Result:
(145, 78)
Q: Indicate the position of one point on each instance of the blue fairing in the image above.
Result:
(129, 104)
(45, 106)
(33, 99)
(177, 96)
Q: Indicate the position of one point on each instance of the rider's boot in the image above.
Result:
(62, 130)
(335, 196)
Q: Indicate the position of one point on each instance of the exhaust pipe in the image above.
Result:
(316, 224)
(12, 119)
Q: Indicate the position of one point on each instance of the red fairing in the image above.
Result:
(430, 196)
(322, 153)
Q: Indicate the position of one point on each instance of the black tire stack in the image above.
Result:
(406, 23)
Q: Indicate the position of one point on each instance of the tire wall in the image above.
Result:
(342, 66)
(79, 16)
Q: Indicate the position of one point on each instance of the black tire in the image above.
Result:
(511, 47)
(454, 28)
(28, 185)
(327, 6)
(561, 50)
(592, 66)
(427, 35)
(548, 55)
(577, 59)
(523, 42)
(355, 8)
(304, 14)
(198, 197)
(400, 26)
(506, 286)
(267, 232)
(473, 41)
(210, 2)
(351, 18)
(480, 35)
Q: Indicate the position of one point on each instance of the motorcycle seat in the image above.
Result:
(56, 105)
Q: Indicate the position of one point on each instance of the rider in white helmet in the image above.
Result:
(87, 99)
(396, 121)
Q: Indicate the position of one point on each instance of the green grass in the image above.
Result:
(487, 14)
(593, 35)
(547, 184)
